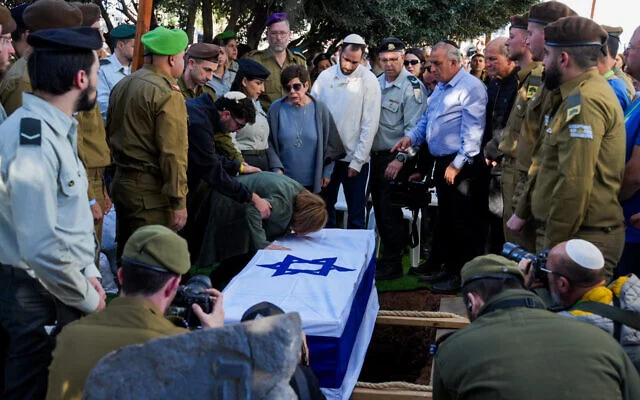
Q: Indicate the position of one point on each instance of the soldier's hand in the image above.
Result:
(403, 144)
(215, 319)
(107, 204)
(516, 224)
(250, 169)
(635, 220)
(325, 182)
(262, 205)
(450, 174)
(276, 247)
(179, 219)
(392, 170)
(96, 212)
(416, 176)
(352, 172)
(525, 266)
(98, 287)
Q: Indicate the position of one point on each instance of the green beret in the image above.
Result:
(90, 12)
(158, 248)
(545, 13)
(52, 14)
(165, 42)
(124, 31)
(574, 31)
(226, 35)
(519, 21)
(490, 266)
(7, 23)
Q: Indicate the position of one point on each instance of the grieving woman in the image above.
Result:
(303, 141)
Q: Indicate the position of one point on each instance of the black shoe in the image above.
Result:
(437, 277)
(426, 268)
(387, 270)
(450, 286)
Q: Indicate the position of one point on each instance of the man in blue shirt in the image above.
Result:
(452, 128)
(117, 65)
(629, 194)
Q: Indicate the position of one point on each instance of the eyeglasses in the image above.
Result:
(555, 273)
(411, 62)
(296, 87)
(238, 123)
(278, 33)
(5, 41)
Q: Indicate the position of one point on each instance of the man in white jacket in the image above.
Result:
(352, 94)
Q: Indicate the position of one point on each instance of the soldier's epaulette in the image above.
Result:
(175, 87)
(417, 90)
(105, 61)
(300, 56)
(30, 132)
(533, 86)
(574, 104)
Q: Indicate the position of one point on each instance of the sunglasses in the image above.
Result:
(296, 87)
(411, 62)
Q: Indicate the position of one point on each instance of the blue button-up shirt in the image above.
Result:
(455, 119)
(111, 71)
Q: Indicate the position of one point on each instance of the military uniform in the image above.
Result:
(197, 91)
(147, 131)
(403, 102)
(14, 83)
(110, 73)
(273, 90)
(529, 84)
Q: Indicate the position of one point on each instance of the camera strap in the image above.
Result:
(614, 313)
(414, 237)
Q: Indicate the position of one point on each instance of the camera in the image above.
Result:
(413, 195)
(516, 253)
(193, 292)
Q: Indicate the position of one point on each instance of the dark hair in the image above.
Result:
(416, 52)
(18, 32)
(54, 71)
(241, 109)
(319, 57)
(355, 47)
(292, 72)
(613, 44)
(143, 281)
(487, 288)
(243, 49)
(583, 56)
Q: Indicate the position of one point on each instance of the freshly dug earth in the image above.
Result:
(401, 353)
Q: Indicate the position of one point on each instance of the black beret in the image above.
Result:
(574, 31)
(519, 21)
(17, 14)
(390, 44)
(545, 13)
(52, 14)
(252, 69)
(81, 38)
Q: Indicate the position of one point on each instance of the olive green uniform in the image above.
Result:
(529, 84)
(628, 83)
(273, 90)
(14, 83)
(520, 352)
(147, 132)
(126, 321)
(95, 155)
(574, 191)
(224, 142)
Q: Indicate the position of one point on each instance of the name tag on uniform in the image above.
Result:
(580, 131)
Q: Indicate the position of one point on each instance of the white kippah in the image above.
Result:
(235, 96)
(585, 254)
(354, 38)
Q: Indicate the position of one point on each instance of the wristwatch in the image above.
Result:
(402, 157)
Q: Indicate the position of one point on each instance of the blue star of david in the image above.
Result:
(284, 267)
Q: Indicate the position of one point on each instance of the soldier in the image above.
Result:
(201, 61)
(574, 191)
(514, 349)
(228, 40)
(605, 62)
(147, 132)
(7, 25)
(403, 102)
(117, 65)
(47, 270)
(276, 57)
(529, 76)
(44, 14)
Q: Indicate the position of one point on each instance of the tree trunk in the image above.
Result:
(207, 21)
(254, 31)
(191, 19)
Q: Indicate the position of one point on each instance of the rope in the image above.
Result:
(394, 386)
(418, 314)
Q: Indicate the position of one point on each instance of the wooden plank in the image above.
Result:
(378, 394)
(142, 26)
(452, 305)
(454, 323)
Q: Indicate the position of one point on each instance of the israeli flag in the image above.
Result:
(327, 277)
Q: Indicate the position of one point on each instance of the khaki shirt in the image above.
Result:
(147, 130)
(81, 345)
(581, 161)
(529, 83)
(198, 91)
(272, 88)
(92, 139)
(15, 82)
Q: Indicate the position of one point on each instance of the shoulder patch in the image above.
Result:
(574, 105)
(417, 91)
(175, 87)
(533, 86)
(105, 61)
(581, 131)
(30, 132)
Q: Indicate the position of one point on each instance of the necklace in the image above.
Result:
(299, 126)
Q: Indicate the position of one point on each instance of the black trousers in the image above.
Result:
(26, 308)
(460, 229)
(388, 218)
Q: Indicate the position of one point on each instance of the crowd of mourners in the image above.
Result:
(210, 152)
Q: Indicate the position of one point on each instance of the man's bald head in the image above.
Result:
(498, 63)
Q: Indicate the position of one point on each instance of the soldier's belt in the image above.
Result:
(138, 176)
(253, 152)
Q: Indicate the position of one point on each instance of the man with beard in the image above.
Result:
(7, 25)
(47, 273)
(574, 191)
(514, 349)
(117, 65)
(201, 61)
(353, 96)
(276, 57)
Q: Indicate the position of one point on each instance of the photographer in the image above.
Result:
(575, 275)
(515, 349)
(153, 261)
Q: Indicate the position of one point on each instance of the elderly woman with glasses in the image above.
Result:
(303, 135)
